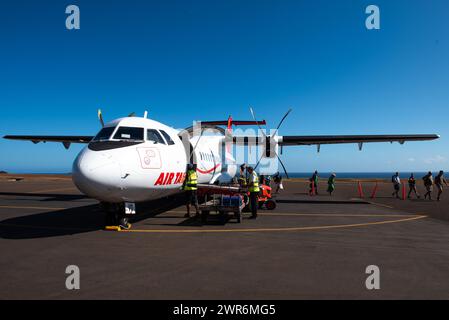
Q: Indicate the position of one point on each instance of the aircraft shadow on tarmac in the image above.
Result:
(75, 220)
(47, 196)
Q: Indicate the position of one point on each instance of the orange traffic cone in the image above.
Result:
(359, 187)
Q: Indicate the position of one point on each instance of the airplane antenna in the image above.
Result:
(145, 114)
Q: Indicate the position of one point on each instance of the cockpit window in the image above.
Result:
(104, 134)
(167, 137)
(129, 133)
(153, 135)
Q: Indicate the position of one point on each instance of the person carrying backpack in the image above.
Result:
(396, 184)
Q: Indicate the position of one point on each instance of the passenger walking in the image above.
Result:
(439, 180)
(396, 184)
(277, 179)
(331, 184)
(428, 183)
(253, 188)
(314, 183)
(412, 186)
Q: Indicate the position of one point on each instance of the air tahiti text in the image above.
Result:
(166, 178)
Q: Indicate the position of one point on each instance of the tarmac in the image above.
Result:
(309, 247)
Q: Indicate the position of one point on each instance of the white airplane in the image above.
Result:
(136, 159)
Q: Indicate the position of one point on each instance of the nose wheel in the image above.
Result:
(115, 215)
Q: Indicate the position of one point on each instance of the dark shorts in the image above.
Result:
(192, 197)
(397, 187)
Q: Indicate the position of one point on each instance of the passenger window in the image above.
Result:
(104, 134)
(167, 138)
(153, 135)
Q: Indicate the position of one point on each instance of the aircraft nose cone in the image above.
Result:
(96, 175)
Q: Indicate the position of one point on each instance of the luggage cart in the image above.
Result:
(224, 206)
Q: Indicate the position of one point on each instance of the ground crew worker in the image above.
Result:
(428, 183)
(253, 188)
(190, 186)
(268, 180)
(439, 180)
(242, 176)
(396, 184)
(331, 183)
(412, 186)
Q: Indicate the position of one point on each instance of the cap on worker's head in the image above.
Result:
(441, 171)
(243, 166)
(430, 172)
(250, 168)
(190, 166)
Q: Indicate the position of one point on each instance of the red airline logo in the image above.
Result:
(166, 178)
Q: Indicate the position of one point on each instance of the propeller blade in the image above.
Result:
(100, 117)
(280, 161)
(254, 118)
(257, 164)
(197, 142)
(282, 120)
(282, 164)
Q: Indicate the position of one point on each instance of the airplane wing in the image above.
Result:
(65, 140)
(360, 139)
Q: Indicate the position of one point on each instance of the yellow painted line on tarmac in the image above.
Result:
(286, 229)
(381, 205)
(25, 207)
(336, 215)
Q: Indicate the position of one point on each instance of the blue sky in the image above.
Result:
(202, 60)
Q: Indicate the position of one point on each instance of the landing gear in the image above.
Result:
(115, 215)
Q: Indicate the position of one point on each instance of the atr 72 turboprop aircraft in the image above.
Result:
(136, 159)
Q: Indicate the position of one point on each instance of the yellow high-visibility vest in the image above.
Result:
(191, 180)
(254, 183)
(242, 181)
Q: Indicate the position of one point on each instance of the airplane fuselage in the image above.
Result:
(137, 159)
